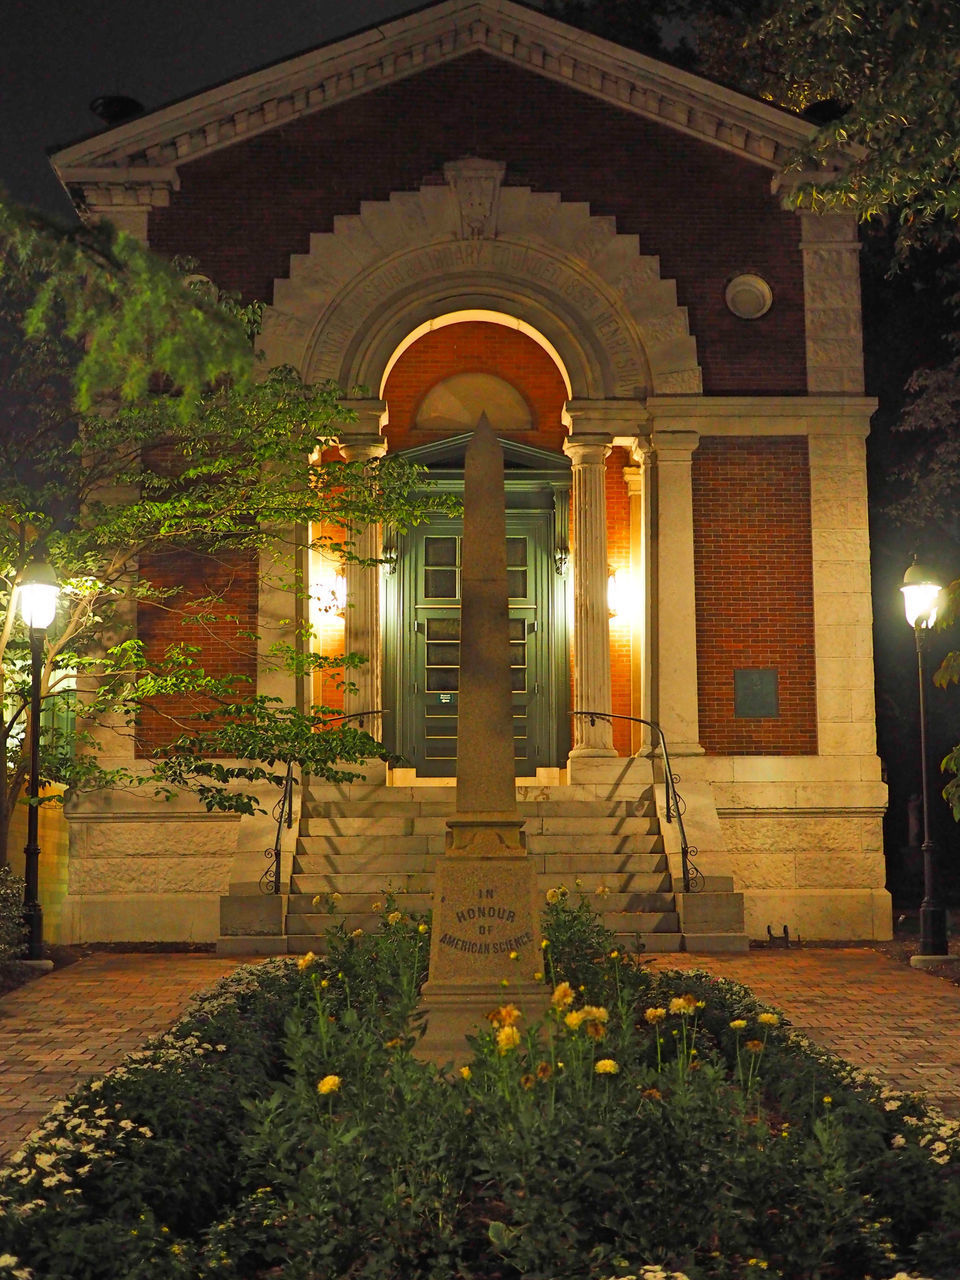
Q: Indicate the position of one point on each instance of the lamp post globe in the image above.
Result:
(37, 592)
(921, 599)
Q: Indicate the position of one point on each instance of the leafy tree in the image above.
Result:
(135, 428)
(890, 66)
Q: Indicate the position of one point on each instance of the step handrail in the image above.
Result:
(693, 881)
(283, 813)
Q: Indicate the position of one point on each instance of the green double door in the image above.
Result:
(422, 645)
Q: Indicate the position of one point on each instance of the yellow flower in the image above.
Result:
(754, 1046)
(827, 1099)
(592, 1015)
(395, 1043)
(601, 891)
(553, 896)
(335, 897)
(538, 976)
(507, 1038)
(357, 933)
(306, 961)
(562, 995)
(514, 955)
(654, 1016)
(465, 1073)
(329, 1084)
(315, 902)
(394, 917)
(527, 1081)
(606, 1067)
(423, 928)
(738, 1024)
(684, 1005)
(653, 1094)
(614, 955)
(506, 1016)
(769, 1020)
(376, 906)
(544, 1071)
(544, 944)
(324, 982)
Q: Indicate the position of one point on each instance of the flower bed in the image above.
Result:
(655, 1125)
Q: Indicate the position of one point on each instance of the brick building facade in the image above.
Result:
(475, 205)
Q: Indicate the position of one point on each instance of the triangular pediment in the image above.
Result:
(448, 455)
(139, 162)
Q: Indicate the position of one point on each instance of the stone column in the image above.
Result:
(362, 614)
(676, 706)
(591, 625)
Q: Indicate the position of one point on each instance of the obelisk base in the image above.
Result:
(485, 947)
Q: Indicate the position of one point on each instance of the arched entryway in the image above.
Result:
(437, 386)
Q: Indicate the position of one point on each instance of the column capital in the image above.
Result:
(675, 446)
(588, 451)
(633, 479)
(607, 417)
(370, 416)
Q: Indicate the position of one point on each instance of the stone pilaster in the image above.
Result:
(591, 625)
(831, 290)
(362, 615)
(676, 707)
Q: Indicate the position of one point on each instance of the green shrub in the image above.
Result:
(13, 935)
(656, 1124)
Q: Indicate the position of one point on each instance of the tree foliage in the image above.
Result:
(135, 427)
(890, 66)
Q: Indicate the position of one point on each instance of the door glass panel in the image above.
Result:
(441, 558)
(440, 584)
(517, 568)
(443, 679)
(444, 629)
(440, 551)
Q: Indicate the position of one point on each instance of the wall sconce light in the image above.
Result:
(616, 593)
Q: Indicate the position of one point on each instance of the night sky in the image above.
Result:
(57, 55)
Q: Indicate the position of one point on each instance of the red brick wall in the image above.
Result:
(232, 579)
(708, 215)
(754, 583)
(476, 346)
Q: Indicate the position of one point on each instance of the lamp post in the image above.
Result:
(921, 596)
(37, 600)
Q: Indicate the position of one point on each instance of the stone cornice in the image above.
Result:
(144, 154)
(762, 415)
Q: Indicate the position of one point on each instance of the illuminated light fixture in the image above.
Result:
(617, 589)
(37, 594)
(921, 598)
(921, 595)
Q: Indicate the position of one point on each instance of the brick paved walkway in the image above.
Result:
(896, 1021)
(81, 1020)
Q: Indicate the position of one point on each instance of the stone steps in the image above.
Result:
(375, 884)
(560, 867)
(403, 824)
(379, 845)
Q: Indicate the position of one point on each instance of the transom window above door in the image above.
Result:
(456, 403)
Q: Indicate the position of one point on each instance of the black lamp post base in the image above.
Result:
(33, 923)
(933, 931)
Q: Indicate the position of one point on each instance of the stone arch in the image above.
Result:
(469, 244)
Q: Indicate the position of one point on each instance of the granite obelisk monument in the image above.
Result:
(485, 908)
